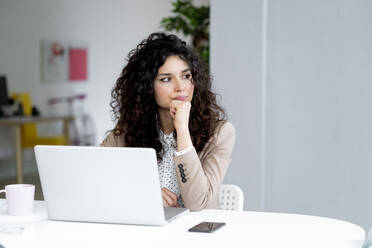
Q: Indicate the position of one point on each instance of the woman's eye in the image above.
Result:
(166, 79)
(187, 76)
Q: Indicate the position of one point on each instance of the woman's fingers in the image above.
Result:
(173, 113)
(167, 200)
(180, 112)
(170, 198)
(173, 108)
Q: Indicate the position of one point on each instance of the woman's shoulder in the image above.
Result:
(113, 140)
(225, 128)
(222, 139)
(224, 134)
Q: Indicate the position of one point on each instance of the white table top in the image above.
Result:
(243, 229)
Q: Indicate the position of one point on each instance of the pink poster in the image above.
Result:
(77, 64)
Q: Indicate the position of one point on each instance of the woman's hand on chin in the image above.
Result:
(180, 112)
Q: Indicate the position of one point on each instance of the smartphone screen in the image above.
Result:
(207, 227)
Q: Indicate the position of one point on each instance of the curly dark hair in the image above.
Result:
(133, 100)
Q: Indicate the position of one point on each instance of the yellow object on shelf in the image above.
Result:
(29, 133)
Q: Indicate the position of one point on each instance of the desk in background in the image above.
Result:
(17, 122)
(243, 229)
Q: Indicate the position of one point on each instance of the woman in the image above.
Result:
(163, 100)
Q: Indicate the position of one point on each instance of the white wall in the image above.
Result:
(316, 108)
(319, 108)
(236, 63)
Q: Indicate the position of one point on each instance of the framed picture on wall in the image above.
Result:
(64, 61)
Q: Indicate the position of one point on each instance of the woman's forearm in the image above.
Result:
(183, 139)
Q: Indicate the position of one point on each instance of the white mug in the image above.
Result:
(20, 198)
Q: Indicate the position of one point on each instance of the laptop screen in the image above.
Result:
(3, 90)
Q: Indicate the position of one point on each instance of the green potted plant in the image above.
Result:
(191, 21)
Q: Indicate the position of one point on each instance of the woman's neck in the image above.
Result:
(165, 121)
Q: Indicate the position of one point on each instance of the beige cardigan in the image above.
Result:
(203, 173)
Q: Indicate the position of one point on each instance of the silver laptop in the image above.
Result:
(103, 184)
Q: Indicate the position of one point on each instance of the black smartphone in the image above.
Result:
(206, 227)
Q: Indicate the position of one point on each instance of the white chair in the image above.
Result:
(368, 241)
(231, 197)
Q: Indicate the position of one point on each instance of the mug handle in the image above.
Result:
(3, 191)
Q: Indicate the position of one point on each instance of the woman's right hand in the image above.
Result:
(170, 199)
(180, 112)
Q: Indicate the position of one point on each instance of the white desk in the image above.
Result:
(243, 229)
